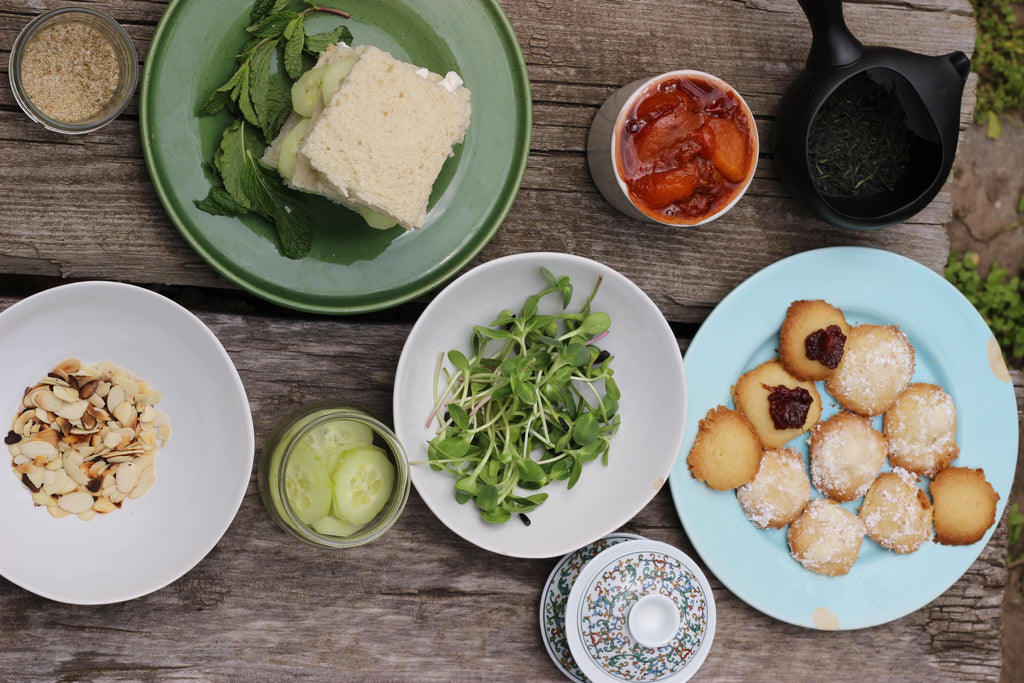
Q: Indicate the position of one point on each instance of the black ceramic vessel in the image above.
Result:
(928, 89)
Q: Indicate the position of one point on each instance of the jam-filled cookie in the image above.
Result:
(847, 453)
(877, 365)
(896, 512)
(780, 406)
(920, 428)
(726, 452)
(812, 339)
(964, 505)
(779, 491)
(826, 537)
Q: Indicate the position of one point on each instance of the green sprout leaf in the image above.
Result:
(530, 406)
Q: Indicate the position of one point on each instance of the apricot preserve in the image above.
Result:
(687, 148)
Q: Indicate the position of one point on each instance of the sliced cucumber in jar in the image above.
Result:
(330, 440)
(332, 526)
(307, 485)
(362, 484)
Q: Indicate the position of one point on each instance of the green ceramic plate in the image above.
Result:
(351, 268)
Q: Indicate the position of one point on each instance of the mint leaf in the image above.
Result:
(220, 203)
(217, 100)
(272, 25)
(317, 43)
(279, 106)
(264, 8)
(281, 206)
(231, 159)
(259, 81)
(295, 35)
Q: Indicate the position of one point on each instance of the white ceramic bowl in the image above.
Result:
(604, 139)
(648, 370)
(640, 611)
(201, 474)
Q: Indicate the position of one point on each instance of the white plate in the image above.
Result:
(648, 370)
(201, 474)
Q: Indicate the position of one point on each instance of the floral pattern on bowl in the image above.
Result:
(610, 585)
(556, 594)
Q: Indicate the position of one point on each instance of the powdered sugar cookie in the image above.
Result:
(726, 452)
(877, 365)
(826, 537)
(896, 513)
(847, 453)
(779, 491)
(812, 339)
(964, 505)
(920, 428)
(780, 406)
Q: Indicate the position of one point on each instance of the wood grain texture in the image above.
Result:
(422, 604)
(100, 202)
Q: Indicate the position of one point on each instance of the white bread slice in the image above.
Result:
(304, 177)
(381, 141)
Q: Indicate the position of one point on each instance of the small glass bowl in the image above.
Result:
(273, 464)
(124, 53)
(605, 137)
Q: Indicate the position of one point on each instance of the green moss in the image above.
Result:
(999, 56)
(997, 297)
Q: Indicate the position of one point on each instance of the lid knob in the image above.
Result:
(653, 620)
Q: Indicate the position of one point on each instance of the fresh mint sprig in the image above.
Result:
(259, 101)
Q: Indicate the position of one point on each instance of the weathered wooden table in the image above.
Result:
(423, 604)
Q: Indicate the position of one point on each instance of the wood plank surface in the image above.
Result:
(422, 604)
(101, 202)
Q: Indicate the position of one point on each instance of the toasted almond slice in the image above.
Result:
(73, 411)
(68, 366)
(49, 435)
(35, 449)
(87, 515)
(103, 505)
(47, 400)
(68, 394)
(127, 476)
(75, 502)
(57, 511)
(126, 414)
(75, 473)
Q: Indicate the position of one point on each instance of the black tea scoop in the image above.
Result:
(865, 136)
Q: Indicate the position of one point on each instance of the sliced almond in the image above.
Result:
(75, 502)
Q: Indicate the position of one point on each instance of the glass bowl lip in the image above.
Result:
(393, 509)
(33, 112)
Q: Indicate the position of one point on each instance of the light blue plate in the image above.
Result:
(955, 349)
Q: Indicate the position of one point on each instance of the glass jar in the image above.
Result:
(298, 428)
(83, 47)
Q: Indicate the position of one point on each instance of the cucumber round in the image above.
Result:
(290, 148)
(306, 90)
(376, 220)
(332, 526)
(362, 484)
(330, 440)
(307, 485)
(334, 75)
